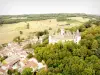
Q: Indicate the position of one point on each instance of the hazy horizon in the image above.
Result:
(20, 7)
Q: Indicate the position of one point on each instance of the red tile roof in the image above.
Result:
(1, 70)
(31, 64)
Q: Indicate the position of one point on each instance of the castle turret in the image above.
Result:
(77, 33)
(62, 31)
(50, 39)
(41, 40)
(77, 37)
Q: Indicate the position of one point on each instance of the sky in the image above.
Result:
(17, 7)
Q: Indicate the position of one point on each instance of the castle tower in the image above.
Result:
(77, 33)
(50, 39)
(62, 32)
(77, 37)
(41, 40)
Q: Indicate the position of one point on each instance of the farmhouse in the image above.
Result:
(68, 36)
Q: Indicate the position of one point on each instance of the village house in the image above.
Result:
(15, 62)
(10, 62)
(68, 36)
(13, 49)
(32, 63)
(17, 59)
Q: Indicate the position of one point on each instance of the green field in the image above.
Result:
(10, 31)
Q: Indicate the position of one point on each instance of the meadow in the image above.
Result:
(10, 31)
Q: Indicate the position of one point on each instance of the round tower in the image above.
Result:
(50, 39)
(62, 31)
(77, 37)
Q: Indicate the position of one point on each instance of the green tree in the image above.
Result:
(38, 34)
(95, 45)
(98, 52)
(41, 72)
(21, 32)
(50, 28)
(46, 32)
(1, 47)
(88, 71)
(30, 55)
(27, 71)
(28, 26)
(9, 72)
(15, 72)
(58, 30)
(17, 39)
(88, 24)
(83, 51)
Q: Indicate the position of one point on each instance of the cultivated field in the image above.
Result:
(10, 31)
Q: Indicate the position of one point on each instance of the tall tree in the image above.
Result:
(27, 71)
(95, 44)
(28, 26)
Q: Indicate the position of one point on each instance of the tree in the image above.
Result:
(3, 58)
(1, 47)
(97, 72)
(46, 32)
(4, 45)
(95, 45)
(50, 28)
(82, 28)
(83, 51)
(27, 71)
(92, 59)
(58, 30)
(41, 72)
(21, 32)
(30, 55)
(88, 71)
(87, 24)
(38, 34)
(9, 72)
(17, 39)
(98, 52)
(15, 72)
(28, 26)
(27, 46)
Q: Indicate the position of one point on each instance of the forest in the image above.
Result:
(70, 58)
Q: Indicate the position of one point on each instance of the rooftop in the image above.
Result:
(12, 59)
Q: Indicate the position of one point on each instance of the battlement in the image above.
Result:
(68, 36)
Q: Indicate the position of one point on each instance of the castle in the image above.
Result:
(68, 36)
